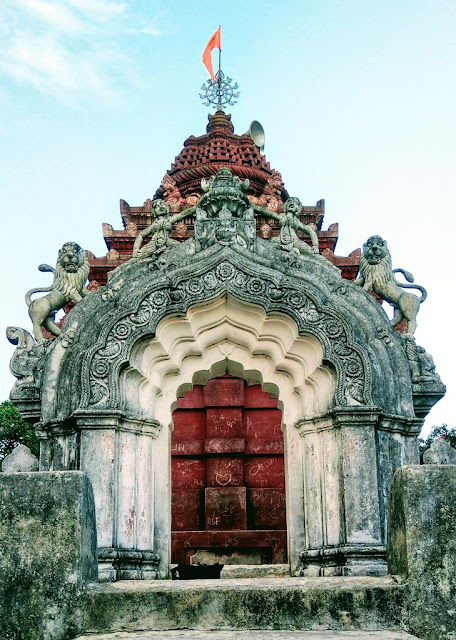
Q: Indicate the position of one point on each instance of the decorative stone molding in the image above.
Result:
(101, 364)
(359, 416)
(344, 560)
(116, 420)
(127, 564)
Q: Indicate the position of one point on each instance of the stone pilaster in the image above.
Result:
(341, 492)
(117, 455)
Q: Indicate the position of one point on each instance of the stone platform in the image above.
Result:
(285, 604)
(253, 635)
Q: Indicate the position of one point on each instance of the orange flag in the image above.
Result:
(214, 42)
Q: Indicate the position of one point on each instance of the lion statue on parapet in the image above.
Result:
(70, 275)
(377, 275)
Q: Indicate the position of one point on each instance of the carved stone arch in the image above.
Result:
(300, 300)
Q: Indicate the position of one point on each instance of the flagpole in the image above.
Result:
(220, 53)
(219, 78)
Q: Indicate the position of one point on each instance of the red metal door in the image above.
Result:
(228, 481)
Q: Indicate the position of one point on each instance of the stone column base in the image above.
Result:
(126, 564)
(345, 560)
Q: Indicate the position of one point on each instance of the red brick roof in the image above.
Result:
(204, 155)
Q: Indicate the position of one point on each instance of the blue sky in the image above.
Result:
(357, 99)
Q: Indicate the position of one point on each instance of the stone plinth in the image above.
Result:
(317, 604)
(47, 552)
(422, 547)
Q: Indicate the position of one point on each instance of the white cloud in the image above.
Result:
(68, 47)
(150, 31)
(50, 67)
(97, 7)
(54, 16)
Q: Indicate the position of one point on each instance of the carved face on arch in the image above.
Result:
(71, 257)
(160, 208)
(375, 249)
(293, 206)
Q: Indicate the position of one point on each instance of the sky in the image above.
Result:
(357, 100)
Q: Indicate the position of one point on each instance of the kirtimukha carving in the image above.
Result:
(159, 230)
(224, 213)
(289, 225)
(70, 275)
(377, 275)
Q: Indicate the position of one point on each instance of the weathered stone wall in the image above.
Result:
(422, 547)
(47, 553)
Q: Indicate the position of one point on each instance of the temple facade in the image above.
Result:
(232, 391)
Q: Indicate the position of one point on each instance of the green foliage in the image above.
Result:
(15, 430)
(448, 434)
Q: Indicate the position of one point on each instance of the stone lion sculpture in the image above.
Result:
(377, 275)
(70, 275)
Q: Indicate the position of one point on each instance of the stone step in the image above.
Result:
(252, 635)
(318, 604)
(255, 571)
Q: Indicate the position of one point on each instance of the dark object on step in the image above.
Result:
(196, 571)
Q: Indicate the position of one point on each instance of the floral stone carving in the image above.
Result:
(27, 363)
(245, 282)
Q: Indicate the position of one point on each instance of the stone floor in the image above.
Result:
(253, 635)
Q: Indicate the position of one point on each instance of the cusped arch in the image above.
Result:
(226, 336)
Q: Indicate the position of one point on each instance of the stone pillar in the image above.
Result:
(117, 454)
(97, 460)
(47, 552)
(341, 493)
(422, 547)
(397, 445)
(359, 469)
(294, 487)
(135, 508)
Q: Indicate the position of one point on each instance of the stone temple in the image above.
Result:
(231, 389)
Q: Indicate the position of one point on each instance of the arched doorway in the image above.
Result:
(228, 479)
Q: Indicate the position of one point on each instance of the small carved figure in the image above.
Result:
(226, 228)
(265, 230)
(377, 275)
(421, 362)
(171, 193)
(440, 452)
(70, 276)
(289, 225)
(427, 365)
(272, 192)
(159, 230)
